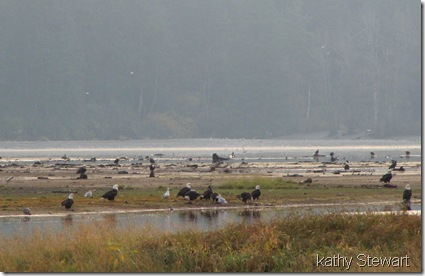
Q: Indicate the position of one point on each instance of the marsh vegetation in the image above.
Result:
(291, 244)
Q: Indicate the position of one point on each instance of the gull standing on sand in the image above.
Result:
(166, 194)
(89, 194)
(221, 200)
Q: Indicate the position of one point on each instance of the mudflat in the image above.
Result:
(42, 185)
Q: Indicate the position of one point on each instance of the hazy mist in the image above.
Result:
(133, 69)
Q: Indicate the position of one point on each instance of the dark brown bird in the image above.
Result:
(386, 177)
(244, 197)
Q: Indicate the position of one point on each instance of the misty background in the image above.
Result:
(139, 69)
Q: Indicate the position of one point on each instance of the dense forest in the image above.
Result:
(139, 69)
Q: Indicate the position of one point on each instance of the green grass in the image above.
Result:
(285, 245)
(249, 183)
(275, 191)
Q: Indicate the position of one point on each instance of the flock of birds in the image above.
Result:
(187, 192)
(386, 178)
(69, 201)
(191, 194)
(109, 195)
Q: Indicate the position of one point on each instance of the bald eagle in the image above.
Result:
(207, 193)
(68, 202)
(81, 170)
(184, 190)
(256, 193)
(346, 167)
(110, 195)
(192, 195)
(393, 164)
(214, 197)
(244, 197)
(386, 177)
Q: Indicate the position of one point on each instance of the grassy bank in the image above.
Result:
(293, 244)
(137, 194)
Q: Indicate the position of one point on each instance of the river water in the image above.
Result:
(176, 220)
(202, 149)
(265, 150)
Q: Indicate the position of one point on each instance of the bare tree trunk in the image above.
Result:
(308, 103)
(140, 106)
(206, 89)
(155, 91)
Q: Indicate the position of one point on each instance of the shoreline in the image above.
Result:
(223, 208)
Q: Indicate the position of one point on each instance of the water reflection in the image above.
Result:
(178, 220)
(67, 221)
(210, 214)
(188, 216)
(250, 213)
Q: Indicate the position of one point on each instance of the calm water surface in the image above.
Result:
(172, 221)
(282, 150)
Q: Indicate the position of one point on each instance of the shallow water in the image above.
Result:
(243, 149)
(173, 221)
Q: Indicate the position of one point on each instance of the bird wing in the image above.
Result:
(110, 193)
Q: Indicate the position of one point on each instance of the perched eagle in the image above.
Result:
(386, 177)
(110, 195)
(184, 190)
(68, 202)
(256, 193)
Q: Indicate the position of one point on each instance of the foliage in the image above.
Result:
(283, 245)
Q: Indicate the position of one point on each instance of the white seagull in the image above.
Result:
(89, 194)
(166, 194)
(221, 200)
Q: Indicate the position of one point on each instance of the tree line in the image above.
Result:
(104, 69)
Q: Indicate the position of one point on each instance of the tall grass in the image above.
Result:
(283, 245)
